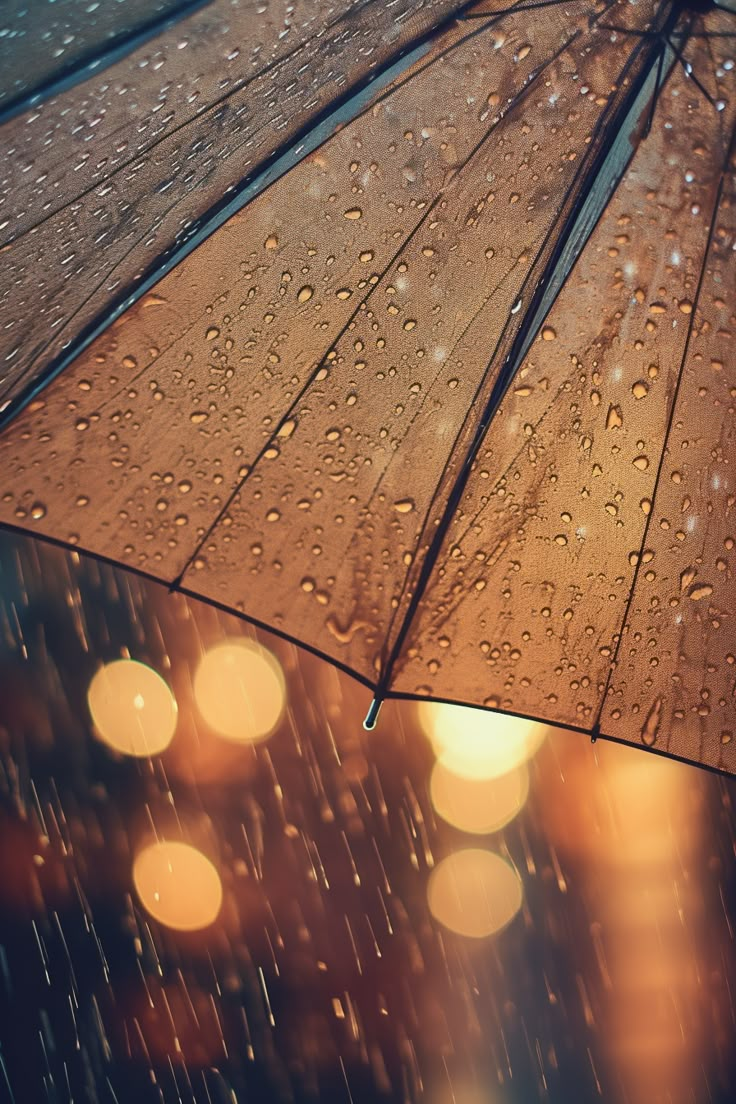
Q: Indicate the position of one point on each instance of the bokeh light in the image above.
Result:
(474, 893)
(240, 690)
(132, 708)
(177, 885)
(475, 744)
(478, 805)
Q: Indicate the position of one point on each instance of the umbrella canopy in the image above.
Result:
(451, 402)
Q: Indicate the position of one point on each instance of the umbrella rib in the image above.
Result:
(668, 428)
(511, 362)
(291, 410)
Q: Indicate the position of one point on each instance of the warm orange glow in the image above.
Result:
(634, 824)
(478, 805)
(475, 744)
(132, 708)
(474, 893)
(178, 885)
(240, 690)
(449, 1092)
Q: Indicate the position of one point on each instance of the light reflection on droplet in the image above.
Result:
(478, 805)
(474, 893)
(132, 708)
(240, 690)
(475, 744)
(177, 885)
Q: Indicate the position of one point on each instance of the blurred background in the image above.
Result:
(216, 886)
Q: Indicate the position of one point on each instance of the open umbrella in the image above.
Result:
(450, 401)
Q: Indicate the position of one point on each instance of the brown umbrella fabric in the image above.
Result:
(102, 184)
(401, 408)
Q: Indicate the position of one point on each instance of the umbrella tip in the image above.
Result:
(372, 715)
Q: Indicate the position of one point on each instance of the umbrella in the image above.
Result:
(447, 397)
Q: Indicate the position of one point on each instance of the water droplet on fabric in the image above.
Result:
(650, 728)
(614, 418)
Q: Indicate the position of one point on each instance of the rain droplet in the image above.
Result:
(404, 505)
(287, 428)
(650, 728)
(699, 591)
(305, 294)
(686, 577)
(212, 333)
(614, 418)
(354, 213)
(548, 334)
(38, 511)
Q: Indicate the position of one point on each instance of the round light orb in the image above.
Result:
(475, 744)
(240, 690)
(478, 805)
(132, 708)
(177, 885)
(474, 893)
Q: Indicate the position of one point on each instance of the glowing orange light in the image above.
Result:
(474, 893)
(478, 805)
(178, 885)
(475, 744)
(132, 708)
(240, 690)
(454, 1093)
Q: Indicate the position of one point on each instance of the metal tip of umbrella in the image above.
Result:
(371, 716)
